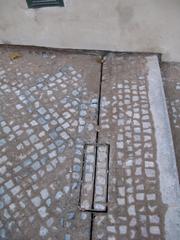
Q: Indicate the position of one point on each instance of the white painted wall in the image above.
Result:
(120, 25)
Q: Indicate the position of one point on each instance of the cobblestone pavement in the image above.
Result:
(78, 152)
(171, 77)
(135, 209)
(48, 111)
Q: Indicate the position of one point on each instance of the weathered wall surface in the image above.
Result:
(131, 25)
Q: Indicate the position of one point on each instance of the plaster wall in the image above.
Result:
(118, 25)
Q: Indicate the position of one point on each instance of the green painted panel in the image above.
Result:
(44, 3)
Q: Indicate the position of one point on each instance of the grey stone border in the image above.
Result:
(169, 183)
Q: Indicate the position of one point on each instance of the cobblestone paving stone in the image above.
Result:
(135, 209)
(171, 79)
(48, 112)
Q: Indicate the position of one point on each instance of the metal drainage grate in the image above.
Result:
(44, 3)
(94, 181)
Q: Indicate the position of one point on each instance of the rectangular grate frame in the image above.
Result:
(94, 179)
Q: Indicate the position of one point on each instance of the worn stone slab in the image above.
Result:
(171, 79)
(48, 111)
(169, 182)
(143, 197)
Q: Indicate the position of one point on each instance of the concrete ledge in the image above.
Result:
(169, 183)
